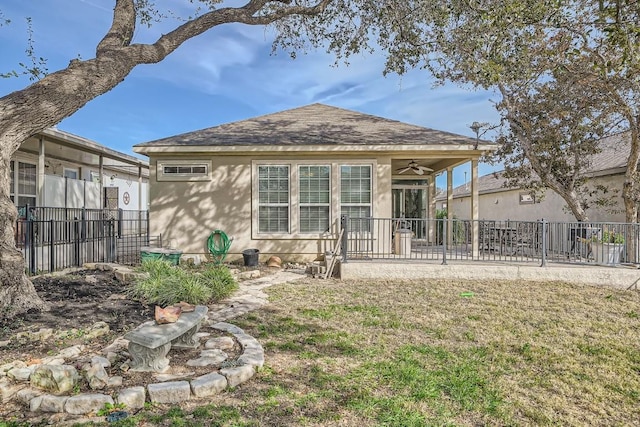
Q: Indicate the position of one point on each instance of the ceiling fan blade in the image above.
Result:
(425, 169)
(402, 170)
(418, 171)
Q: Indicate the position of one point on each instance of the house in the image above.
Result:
(58, 169)
(499, 202)
(279, 183)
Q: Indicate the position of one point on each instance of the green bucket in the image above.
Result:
(150, 256)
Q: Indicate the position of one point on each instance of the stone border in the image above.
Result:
(251, 359)
(243, 369)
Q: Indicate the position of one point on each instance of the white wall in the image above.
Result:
(87, 194)
(78, 193)
(505, 205)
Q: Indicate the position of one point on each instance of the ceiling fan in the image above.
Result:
(416, 168)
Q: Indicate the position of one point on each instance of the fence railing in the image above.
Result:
(604, 243)
(57, 242)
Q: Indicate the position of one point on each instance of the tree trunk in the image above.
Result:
(17, 294)
(58, 95)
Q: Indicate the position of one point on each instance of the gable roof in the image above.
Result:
(612, 158)
(313, 125)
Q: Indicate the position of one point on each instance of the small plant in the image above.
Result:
(220, 280)
(609, 237)
(166, 284)
(108, 408)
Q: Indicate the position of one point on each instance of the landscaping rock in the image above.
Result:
(209, 358)
(98, 329)
(222, 343)
(132, 398)
(97, 377)
(208, 385)
(48, 403)
(173, 377)
(171, 392)
(102, 361)
(9, 366)
(250, 274)
(71, 352)
(114, 382)
(20, 374)
(85, 403)
(9, 389)
(55, 378)
(26, 394)
(238, 375)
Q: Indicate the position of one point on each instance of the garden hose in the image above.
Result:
(219, 244)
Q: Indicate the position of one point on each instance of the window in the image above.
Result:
(527, 198)
(273, 199)
(70, 173)
(355, 195)
(355, 191)
(315, 197)
(23, 184)
(183, 170)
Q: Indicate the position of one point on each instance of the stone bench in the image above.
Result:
(149, 343)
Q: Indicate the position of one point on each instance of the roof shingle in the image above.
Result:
(315, 124)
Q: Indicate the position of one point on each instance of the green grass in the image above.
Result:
(418, 354)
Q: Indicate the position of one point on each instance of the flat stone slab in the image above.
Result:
(152, 335)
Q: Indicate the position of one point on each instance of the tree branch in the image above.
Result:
(122, 27)
(156, 52)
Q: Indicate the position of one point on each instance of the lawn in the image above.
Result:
(444, 353)
(425, 353)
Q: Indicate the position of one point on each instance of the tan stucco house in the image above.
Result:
(280, 182)
(499, 202)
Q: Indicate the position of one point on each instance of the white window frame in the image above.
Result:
(163, 175)
(15, 190)
(371, 187)
(76, 171)
(274, 204)
(294, 195)
(300, 204)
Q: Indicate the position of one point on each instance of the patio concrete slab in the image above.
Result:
(617, 277)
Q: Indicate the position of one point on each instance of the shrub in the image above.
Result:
(220, 280)
(166, 284)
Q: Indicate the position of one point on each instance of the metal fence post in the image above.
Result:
(344, 219)
(112, 241)
(543, 236)
(76, 241)
(52, 247)
(30, 242)
(120, 218)
(445, 226)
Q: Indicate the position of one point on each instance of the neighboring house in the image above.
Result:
(58, 169)
(498, 202)
(281, 182)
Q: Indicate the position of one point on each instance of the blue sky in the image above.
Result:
(225, 75)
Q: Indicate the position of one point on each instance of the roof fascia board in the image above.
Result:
(467, 149)
(69, 140)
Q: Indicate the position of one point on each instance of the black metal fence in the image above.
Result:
(602, 243)
(52, 239)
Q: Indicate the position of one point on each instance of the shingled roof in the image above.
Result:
(612, 158)
(315, 124)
